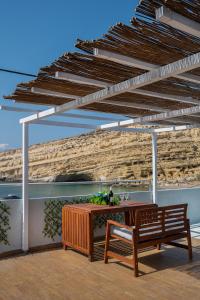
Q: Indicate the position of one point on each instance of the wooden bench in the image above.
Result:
(153, 227)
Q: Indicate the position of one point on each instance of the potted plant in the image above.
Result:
(102, 198)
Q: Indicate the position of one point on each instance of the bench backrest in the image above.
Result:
(130, 217)
(160, 222)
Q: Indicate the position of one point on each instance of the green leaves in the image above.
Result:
(99, 198)
(102, 199)
(53, 216)
(101, 220)
(4, 223)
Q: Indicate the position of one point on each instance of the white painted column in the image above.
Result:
(25, 179)
(154, 168)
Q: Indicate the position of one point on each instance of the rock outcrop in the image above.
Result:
(109, 155)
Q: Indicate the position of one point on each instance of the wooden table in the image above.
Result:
(77, 223)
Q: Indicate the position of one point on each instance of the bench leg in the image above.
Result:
(135, 259)
(158, 246)
(189, 242)
(107, 244)
(90, 257)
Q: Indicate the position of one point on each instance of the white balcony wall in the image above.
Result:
(15, 234)
(36, 215)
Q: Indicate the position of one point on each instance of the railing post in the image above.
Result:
(154, 168)
(25, 179)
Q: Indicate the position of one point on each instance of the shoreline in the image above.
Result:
(113, 183)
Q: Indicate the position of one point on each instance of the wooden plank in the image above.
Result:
(60, 275)
(119, 257)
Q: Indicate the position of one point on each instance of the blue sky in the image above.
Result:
(33, 34)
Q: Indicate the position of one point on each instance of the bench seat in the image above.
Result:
(152, 227)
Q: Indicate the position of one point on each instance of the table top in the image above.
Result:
(94, 208)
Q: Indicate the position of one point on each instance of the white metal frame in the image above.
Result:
(134, 83)
(154, 168)
(155, 73)
(66, 115)
(25, 187)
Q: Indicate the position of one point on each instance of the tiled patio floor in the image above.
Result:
(55, 275)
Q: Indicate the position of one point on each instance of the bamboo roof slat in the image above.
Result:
(187, 8)
(146, 40)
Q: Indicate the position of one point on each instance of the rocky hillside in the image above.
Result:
(109, 155)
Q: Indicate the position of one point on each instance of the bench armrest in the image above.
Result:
(114, 223)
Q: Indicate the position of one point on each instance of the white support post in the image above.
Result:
(25, 194)
(154, 168)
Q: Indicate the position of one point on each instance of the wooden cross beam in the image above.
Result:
(169, 17)
(178, 67)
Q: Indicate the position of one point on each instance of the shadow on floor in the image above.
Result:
(168, 258)
(195, 231)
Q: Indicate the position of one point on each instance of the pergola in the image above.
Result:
(148, 72)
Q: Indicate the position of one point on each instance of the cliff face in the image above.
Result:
(109, 155)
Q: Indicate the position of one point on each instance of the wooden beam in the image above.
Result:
(178, 67)
(132, 62)
(165, 115)
(134, 130)
(79, 79)
(175, 128)
(155, 118)
(104, 84)
(66, 115)
(177, 21)
(143, 107)
(52, 93)
(124, 60)
(135, 105)
(17, 109)
(181, 99)
(64, 124)
(78, 116)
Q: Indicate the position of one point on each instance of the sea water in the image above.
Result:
(37, 190)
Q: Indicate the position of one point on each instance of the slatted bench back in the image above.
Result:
(155, 223)
(175, 219)
(130, 217)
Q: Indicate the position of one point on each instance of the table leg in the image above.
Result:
(64, 246)
(127, 218)
(91, 238)
(130, 217)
